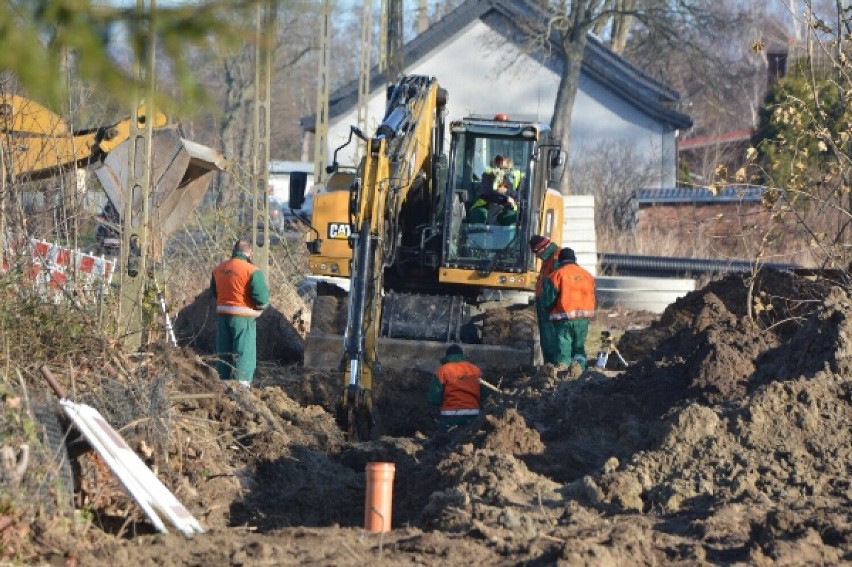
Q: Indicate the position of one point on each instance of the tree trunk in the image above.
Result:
(621, 24)
(234, 126)
(572, 49)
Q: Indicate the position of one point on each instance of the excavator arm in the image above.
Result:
(399, 155)
(38, 144)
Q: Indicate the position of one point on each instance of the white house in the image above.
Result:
(477, 54)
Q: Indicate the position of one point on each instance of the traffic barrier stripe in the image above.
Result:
(56, 261)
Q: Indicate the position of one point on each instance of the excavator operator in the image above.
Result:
(495, 206)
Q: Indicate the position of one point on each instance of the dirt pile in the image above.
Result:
(729, 440)
(195, 326)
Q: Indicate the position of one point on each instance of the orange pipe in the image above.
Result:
(378, 500)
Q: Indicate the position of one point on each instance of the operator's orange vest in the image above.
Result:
(576, 297)
(461, 385)
(547, 267)
(233, 296)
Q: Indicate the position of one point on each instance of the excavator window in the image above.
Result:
(479, 160)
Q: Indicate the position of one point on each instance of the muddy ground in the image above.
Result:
(728, 440)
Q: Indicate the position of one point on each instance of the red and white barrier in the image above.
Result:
(50, 266)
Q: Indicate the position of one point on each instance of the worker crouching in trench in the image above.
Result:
(457, 389)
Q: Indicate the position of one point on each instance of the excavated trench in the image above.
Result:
(727, 439)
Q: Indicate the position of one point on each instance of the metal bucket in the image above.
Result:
(181, 172)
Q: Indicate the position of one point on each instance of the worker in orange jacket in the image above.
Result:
(241, 295)
(457, 389)
(569, 297)
(548, 253)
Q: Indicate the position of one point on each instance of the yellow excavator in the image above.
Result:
(399, 251)
(38, 144)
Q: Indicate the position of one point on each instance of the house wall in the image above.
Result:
(485, 75)
(279, 179)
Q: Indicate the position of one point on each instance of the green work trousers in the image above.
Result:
(236, 344)
(450, 422)
(546, 334)
(571, 341)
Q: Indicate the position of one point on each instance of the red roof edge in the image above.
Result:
(726, 138)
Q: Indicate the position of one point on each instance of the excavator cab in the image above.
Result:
(497, 198)
(489, 204)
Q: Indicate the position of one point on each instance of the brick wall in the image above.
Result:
(704, 229)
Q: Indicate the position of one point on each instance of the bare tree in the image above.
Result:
(563, 27)
(612, 172)
(802, 148)
(230, 76)
(721, 77)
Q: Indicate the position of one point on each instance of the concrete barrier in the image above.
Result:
(640, 294)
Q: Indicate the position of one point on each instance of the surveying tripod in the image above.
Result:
(608, 347)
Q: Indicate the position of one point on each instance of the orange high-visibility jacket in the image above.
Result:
(233, 288)
(575, 297)
(547, 268)
(461, 385)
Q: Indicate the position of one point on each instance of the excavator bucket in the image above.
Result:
(181, 172)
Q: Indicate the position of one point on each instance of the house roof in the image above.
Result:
(694, 195)
(599, 63)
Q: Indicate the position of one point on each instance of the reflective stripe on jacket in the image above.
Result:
(571, 291)
(233, 287)
(460, 380)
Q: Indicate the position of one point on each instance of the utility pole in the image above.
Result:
(263, 47)
(364, 75)
(321, 124)
(423, 16)
(383, 38)
(394, 37)
(134, 233)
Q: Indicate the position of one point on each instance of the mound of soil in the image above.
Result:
(278, 339)
(728, 441)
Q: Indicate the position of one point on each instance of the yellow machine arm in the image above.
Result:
(398, 158)
(39, 143)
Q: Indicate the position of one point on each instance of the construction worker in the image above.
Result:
(548, 253)
(457, 389)
(496, 206)
(493, 176)
(569, 296)
(241, 295)
(513, 174)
